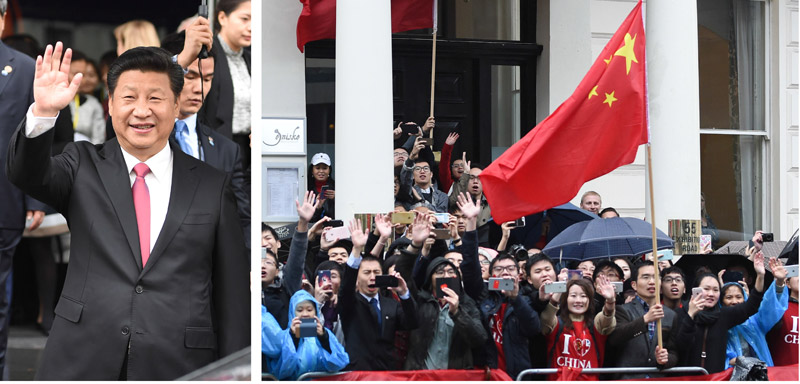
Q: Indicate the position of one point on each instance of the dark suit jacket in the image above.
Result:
(370, 348)
(187, 307)
(225, 155)
(16, 95)
(217, 111)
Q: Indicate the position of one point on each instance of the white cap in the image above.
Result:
(321, 158)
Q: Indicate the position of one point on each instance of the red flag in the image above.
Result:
(596, 130)
(317, 21)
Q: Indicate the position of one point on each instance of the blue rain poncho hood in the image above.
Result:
(755, 328)
(309, 356)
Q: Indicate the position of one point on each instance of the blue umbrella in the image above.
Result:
(606, 238)
(561, 218)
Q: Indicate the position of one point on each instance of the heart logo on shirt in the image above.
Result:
(582, 346)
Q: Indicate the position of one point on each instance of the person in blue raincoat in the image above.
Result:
(322, 353)
(748, 339)
(270, 345)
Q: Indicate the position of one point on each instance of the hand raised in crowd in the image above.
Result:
(467, 164)
(543, 296)
(305, 211)
(778, 271)
(430, 122)
(397, 132)
(452, 225)
(52, 90)
(606, 289)
(420, 229)
(451, 298)
(402, 288)
(745, 288)
(451, 138)
(320, 326)
(198, 34)
(419, 145)
(469, 209)
(655, 312)
(383, 226)
(295, 327)
(358, 236)
(316, 229)
(758, 241)
(323, 294)
(506, 228)
(512, 294)
(662, 355)
(696, 303)
(758, 263)
(324, 243)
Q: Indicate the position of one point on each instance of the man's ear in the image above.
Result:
(633, 284)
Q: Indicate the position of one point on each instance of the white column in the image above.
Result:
(673, 89)
(364, 163)
(563, 30)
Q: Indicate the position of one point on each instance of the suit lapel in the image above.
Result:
(210, 153)
(117, 183)
(6, 60)
(184, 184)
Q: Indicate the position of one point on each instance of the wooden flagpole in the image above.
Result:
(657, 275)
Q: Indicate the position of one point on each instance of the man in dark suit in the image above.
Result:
(157, 281)
(197, 139)
(369, 319)
(16, 94)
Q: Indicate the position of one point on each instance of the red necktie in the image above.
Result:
(141, 204)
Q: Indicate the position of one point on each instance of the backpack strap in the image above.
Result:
(703, 353)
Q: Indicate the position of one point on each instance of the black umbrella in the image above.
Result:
(716, 262)
(560, 218)
(790, 250)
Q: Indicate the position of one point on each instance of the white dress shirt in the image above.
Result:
(191, 123)
(159, 179)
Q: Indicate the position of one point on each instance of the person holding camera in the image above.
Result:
(370, 319)
(506, 314)
(449, 320)
(307, 346)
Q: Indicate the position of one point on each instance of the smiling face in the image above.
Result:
(143, 111)
(269, 241)
(366, 277)
(732, 295)
(710, 288)
(305, 310)
(626, 269)
(321, 172)
(577, 300)
(457, 169)
(235, 27)
(195, 88)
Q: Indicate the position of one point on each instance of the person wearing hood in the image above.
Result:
(712, 322)
(748, 339)
(449, 320)
(299, 355)
(507, 316)
(276, 291)
(783, 338)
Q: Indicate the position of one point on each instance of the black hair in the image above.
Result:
(24, 43)
(146, 59)
(329, 265)
(78, 56)
(702, 276)
(637, 267)
(174, 42)
(501, 256)
(603, 264)
(108, 58)
(274, 256)
(608, 209)
(369, 257)
(673, 269)
(226, 7)
(265, 227)
(536, 258)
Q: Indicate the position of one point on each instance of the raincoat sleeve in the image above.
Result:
(289, 362)
(335, 359)
(771, 309)
(270, 331)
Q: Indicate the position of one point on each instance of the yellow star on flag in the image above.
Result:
(593, 92)
(609, 59)
(627, 52)
(610, 98)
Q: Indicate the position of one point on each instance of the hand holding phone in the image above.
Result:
(386, 281)
(501, 284)
(308, 327)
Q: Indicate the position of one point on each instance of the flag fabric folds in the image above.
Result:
(317, 21)
(597, 129)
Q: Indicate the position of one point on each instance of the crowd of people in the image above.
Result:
(417, 289)
(168, 96)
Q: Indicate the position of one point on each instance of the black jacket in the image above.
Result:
(217, 111)
(370, 348)
(468, 332)
(520, 321)
(276, 296)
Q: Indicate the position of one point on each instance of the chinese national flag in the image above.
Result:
(594, 131)
(318, 19)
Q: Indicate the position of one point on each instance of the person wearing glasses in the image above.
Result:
(634, 338)
(507, 315)
(422, 187)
